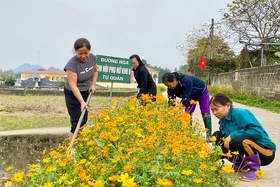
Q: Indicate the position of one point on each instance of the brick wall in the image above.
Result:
(264, 81)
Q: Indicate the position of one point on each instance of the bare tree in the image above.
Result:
(255, 22)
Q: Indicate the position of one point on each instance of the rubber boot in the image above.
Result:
(238, 163)
(254, 164)
(208, 125)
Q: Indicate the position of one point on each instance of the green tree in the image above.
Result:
(182, 69)
(216, 66)
(10, 81)
(160, 70)
(197, 44)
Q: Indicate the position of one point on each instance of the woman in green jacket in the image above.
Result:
(240, 131)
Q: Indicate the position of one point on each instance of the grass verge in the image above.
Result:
(247, 99)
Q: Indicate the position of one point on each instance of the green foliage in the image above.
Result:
(161, 89)
(216, 66)
(61, 84)
(10, 81)
(132, 145)
(160, 70)
(247, 99)
(182, 69)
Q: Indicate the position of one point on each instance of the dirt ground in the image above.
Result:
(19, 112)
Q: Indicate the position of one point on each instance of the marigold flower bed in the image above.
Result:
(130, 145)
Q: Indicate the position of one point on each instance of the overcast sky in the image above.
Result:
(43, 32)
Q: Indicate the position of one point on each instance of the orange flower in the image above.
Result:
(105, 151)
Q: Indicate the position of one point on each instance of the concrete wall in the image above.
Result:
(264, 81)
(20, 150)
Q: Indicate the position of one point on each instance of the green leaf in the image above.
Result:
(277, 54)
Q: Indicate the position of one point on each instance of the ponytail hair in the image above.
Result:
(169, 77)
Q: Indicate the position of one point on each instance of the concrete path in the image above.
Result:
(271, 123)
(269, 120)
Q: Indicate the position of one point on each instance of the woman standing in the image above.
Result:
(241, 132)
(189, 88)
(146, 84)
(82, 72)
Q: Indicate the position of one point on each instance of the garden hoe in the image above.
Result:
(79, 123)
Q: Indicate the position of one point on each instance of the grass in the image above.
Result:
(247, 99)
(30, 111)
(118, 90)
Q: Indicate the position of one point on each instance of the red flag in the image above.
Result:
(202, 63)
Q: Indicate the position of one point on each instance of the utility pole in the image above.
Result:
(211, 38)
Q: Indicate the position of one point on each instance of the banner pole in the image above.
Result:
(111, 91)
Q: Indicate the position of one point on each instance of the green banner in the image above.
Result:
(113, 69)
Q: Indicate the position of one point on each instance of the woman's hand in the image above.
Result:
(92, 88)
(84, 106)
(227, 142)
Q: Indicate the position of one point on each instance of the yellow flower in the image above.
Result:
(203, 166)
(169, 167)
(82, 161)
(105, 151)
(114, 178)
(9, 168)
(63, 178)
(107, 118)
(48, 184)
(61, 163)
(132, 108)
(164, 182)
(8, 183)
(213, 139)
(235, 153)
(228, 169)
(187, 172)
(155, 168)
(44, 151)
(98, 183)
(126, 181)
(127, 167)
(51, 168)
(260, 173)
(203, 154)
(46, 160)
(224, 139)
(198, 180)
(18, 177)
(193, 102)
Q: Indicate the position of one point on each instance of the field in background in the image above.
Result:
(29, 111)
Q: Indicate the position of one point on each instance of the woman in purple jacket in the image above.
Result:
(189, 88)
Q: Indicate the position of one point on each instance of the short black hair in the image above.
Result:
(82, 42)
(220, 98)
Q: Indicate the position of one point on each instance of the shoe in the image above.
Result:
(208, 125)
(253, 163)
(238, 163)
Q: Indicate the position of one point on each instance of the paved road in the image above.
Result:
(271, 123)
(269, 120)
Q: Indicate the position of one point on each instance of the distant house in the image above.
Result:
(51, 75)
(153, 72)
